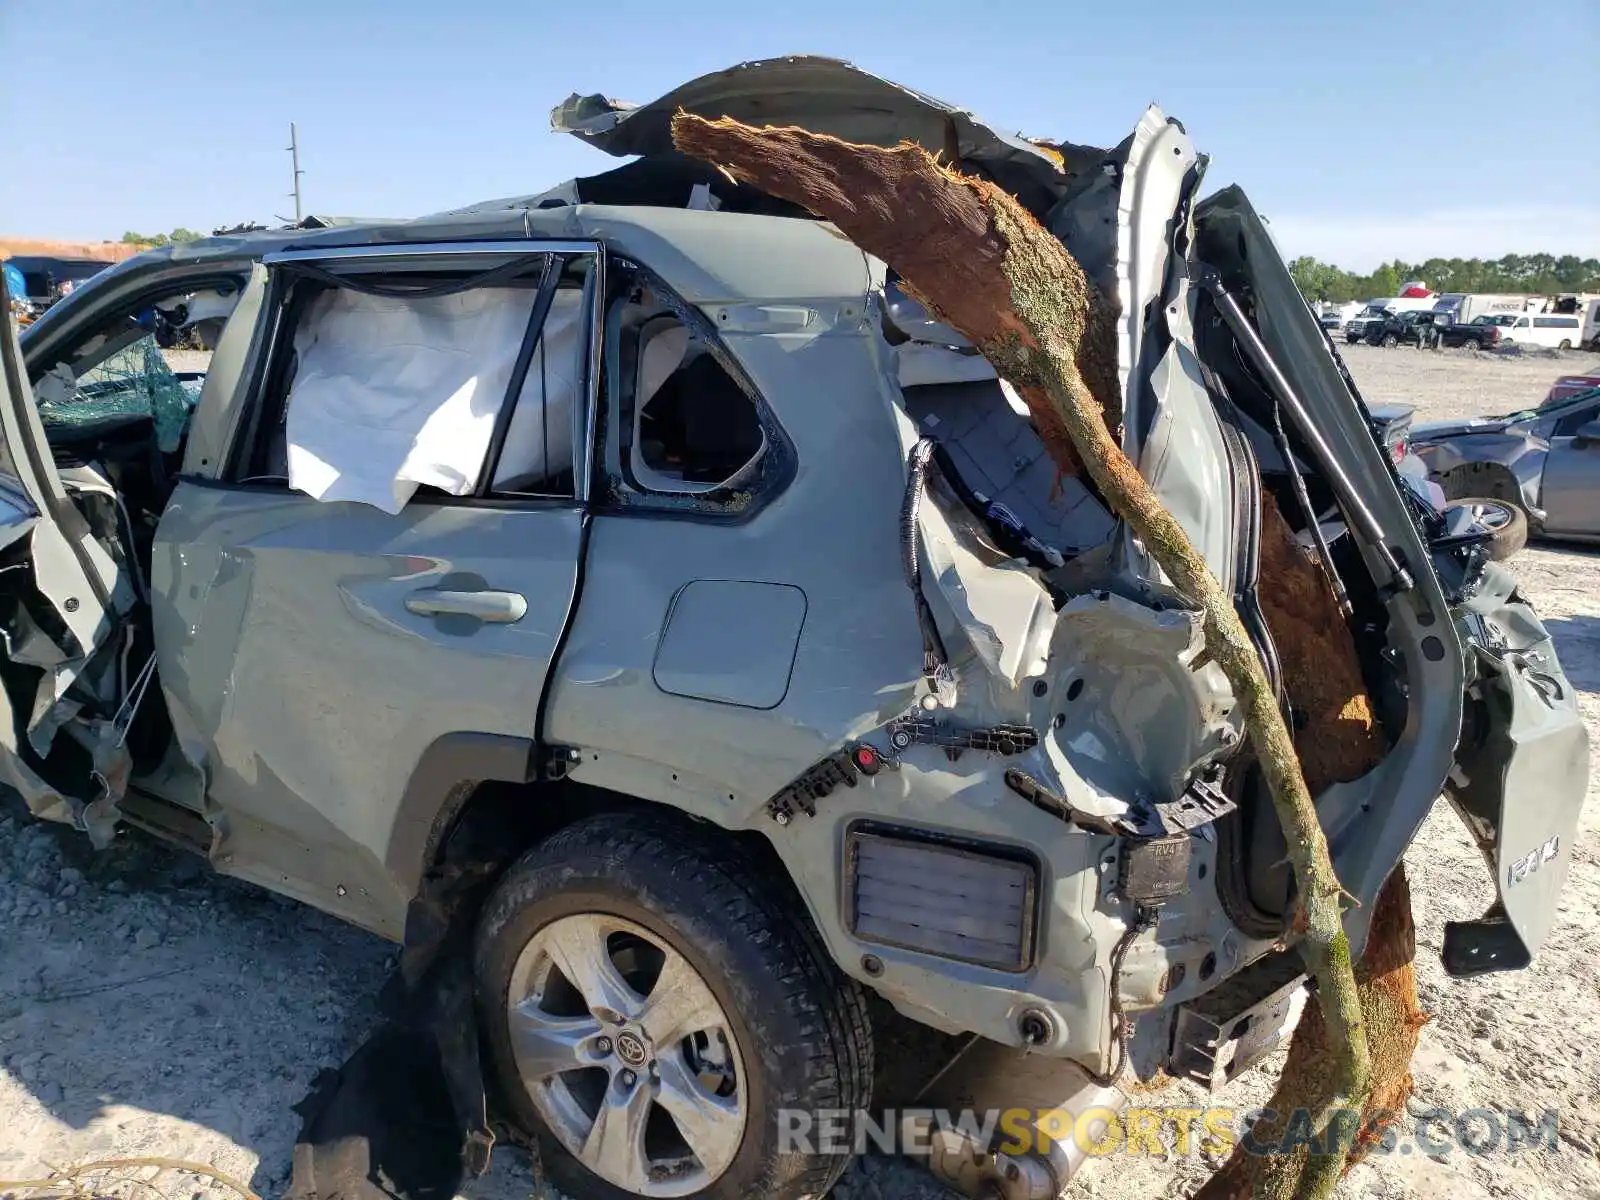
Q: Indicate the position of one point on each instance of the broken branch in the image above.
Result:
(69, 1176)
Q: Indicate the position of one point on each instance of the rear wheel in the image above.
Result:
(1506, 522)
(1566, 344)
(653, 1004)
(1390, 341)
(1473, 345)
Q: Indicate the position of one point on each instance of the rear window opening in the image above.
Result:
(694, 427)
(691, 433)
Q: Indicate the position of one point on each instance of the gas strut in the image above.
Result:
(1355, 508)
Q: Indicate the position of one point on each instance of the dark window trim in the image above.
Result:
(1568, 423)
(532, 340)
(740, 499)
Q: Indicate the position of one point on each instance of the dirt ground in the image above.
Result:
(149, 1008)
(108, 251)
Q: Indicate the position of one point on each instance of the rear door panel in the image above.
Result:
(294, 666)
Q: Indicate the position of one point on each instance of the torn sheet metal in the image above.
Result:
(829, 95)
(110, 766)
(42, 798)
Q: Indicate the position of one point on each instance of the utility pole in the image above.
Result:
(294, 155)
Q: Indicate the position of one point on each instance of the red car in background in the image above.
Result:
(1570, 385)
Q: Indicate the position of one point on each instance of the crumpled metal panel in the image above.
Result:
(1522, 789)
(828, 95)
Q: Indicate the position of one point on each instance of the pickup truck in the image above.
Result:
(1403, 329)
(1355, 329)
(1478, 334)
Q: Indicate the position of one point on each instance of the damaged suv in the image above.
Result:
(641, 551)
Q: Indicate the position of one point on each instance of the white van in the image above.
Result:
(1556, 330)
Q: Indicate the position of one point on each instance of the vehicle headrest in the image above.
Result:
(664, 342)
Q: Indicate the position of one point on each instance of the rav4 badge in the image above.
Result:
(1522, 867)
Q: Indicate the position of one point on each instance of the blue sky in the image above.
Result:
(1365, 131)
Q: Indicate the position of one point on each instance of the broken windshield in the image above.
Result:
(134, 382)
(1549, 407)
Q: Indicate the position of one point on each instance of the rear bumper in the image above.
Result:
(1520, 777)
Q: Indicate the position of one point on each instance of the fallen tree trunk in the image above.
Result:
(1387, 986)
(986, 267)
(1338, 740)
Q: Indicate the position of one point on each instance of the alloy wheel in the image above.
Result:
(1490, 514)
(627, 1055)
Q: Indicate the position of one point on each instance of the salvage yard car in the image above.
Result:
(644, 543)
(46, 279)
(1534, 472)
(1483, 332)
(1403, 329)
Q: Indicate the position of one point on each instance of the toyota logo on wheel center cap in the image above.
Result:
(631, 1050)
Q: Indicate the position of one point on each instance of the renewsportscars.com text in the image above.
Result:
(1102, 1131)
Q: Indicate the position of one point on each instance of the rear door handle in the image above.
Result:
(495, 608)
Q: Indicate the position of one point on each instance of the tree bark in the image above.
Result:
(1338, 740)
(980, 261)
(1388, 989)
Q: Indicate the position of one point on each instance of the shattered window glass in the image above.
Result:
(135, 381)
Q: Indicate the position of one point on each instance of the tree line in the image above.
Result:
(1535, 273)
(177, 236)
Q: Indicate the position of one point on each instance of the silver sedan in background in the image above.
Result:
(1534, 472)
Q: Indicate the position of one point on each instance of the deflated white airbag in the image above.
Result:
(390, 394)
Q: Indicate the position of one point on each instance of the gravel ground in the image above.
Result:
(187, 360)
(150, 1008)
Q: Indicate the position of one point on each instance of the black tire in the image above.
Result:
(802, 1026)
(1566, 344)
(1390, 341)
(1508, 520)
(1472, 344)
